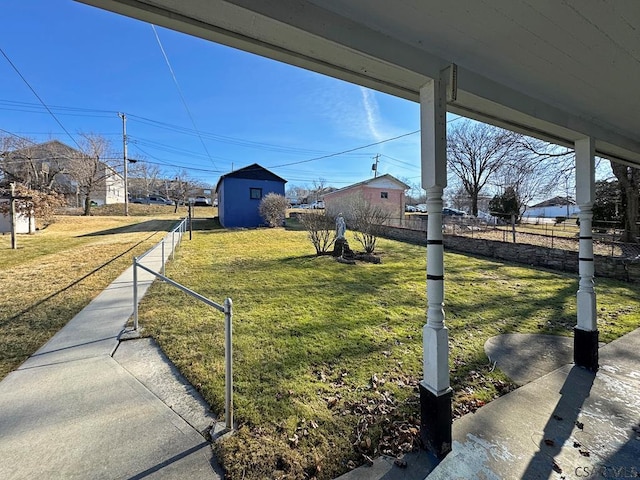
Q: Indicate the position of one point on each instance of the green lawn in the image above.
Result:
(56, 272)
(328, 355)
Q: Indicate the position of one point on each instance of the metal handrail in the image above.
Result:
(226, 308)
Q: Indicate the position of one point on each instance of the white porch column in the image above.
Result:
(435, 392)
(586, 332)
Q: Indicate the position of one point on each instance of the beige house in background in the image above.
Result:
(47, 166)
(385, 191)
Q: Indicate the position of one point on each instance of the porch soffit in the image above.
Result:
(557, 70)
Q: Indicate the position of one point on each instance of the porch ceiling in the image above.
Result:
(555, 69)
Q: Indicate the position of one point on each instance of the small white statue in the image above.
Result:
(341, 226)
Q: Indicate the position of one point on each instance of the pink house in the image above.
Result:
(385, 191)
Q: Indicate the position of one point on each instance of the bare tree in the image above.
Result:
(144, 179)
(542, 169)
(415, 194)
(90, 167)
(319, 187)
(33, 165)
(476, 151)
(629, 181)
(297, 192)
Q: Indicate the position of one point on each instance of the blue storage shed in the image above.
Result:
(240, 192)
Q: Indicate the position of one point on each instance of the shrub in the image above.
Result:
(273, 209)
(367, 222)
(320, 228)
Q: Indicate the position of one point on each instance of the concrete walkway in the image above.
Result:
(567, 424)
(72, 411)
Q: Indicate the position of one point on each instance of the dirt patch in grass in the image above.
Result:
(328, 355)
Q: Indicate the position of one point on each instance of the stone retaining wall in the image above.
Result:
(553, 258)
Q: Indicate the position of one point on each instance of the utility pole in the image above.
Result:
(374, 167)
(124, 155)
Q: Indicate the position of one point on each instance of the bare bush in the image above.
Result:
(367, 221)
(321, 230)
(273, 209)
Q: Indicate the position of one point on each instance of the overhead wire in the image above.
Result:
(184, 102)
(38, 97)
(345, 151)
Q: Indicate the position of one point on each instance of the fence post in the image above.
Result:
(228, 377)
(135, 293)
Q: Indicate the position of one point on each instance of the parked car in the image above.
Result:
(410, 208)
(318, 204)
(452, 212)
(421, 207)
(152, 200)
(202, 202)
(486, 217)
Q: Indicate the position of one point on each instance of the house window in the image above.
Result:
(255, 193)
(384, 194)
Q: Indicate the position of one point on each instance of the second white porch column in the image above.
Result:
(435, 392)
(585, 353)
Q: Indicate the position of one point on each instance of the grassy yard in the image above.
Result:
(57, 271)
(328, 355)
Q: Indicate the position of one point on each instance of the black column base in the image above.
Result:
(435, 421)
(585, 349)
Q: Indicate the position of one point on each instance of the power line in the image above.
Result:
(227, 139)
(399, 161)
(38, 97)
(165, 163)
(184, 102)
(168, 126)
(346, 151)
(15, 103)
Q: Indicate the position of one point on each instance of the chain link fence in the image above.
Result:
(563, 236)
(547, 233)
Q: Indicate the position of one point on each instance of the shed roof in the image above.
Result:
(251, 172)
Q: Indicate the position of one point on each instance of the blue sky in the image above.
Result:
(248, 109)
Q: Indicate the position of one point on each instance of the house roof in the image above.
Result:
(46, 150)
(251, 172)
(53, 150)
(371, 183)
(555, 201)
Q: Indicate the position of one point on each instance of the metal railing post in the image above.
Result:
(163, 266)
(135, 293)
(228, 353)
(173, 245)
